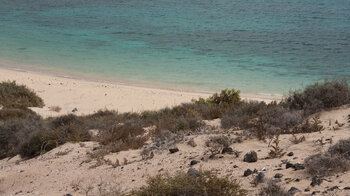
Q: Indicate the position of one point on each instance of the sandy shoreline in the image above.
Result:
(90, 96)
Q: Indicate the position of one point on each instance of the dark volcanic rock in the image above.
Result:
(316, 181)
(247, 172)
(293, 190)
(228, 150)
(194, 162)
(193, 172)
(288, 165)
(251, 157)
(290, 154)
(298, 166)
(173, 150)
(333, 188)
(278, 175)
(347, 188)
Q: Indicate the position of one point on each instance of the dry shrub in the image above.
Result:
(215, 144)
(319, 96)
(296, 140)
(272, 189)
(240, 115)
(276, 151)
(46, 140)
(261, 119)
(14, 113)
(326, 164)
(123, 137)
(335, 160)
(182, 184)
(191, 143)
(15, 132)
(14, 96)
(55, 108)
(341, 148)
(309, 127)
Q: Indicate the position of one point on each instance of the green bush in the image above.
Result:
(183, 184)
(225, 98)
(14, 96)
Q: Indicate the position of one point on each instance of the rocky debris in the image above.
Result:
(193, 172)
(250, 157)
(290, 154)
(260, 178)
(278, 175)
(307, 190)
(74, 110)
(296, 166)
(68, 194)
(276, 180)
(316, 181)
(227, 150)
(347, 188)
(289, 165)
(315, 192)
(235, 166)
(333, 188)
(173, 150)
(293, 190)
(194, 162)
(247, 172)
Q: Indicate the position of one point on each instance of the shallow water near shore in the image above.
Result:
(256, 46)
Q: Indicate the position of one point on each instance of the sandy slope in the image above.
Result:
(65, 170)
(91, 96)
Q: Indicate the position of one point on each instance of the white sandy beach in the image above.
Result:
(90, 96)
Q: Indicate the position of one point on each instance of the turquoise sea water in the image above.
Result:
(254, 45)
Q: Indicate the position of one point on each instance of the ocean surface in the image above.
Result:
(256, 46)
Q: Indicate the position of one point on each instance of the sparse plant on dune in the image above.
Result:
(276, 151)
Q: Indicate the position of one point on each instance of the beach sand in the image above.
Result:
(88, 96)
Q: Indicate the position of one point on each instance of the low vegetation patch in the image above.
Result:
(15, 132)
(182, 184)
(335, 160)
(123, 137)
(320, 96)
(13, 95)
(116, 130)
(272, 189)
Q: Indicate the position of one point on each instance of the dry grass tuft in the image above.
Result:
(55, 108)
